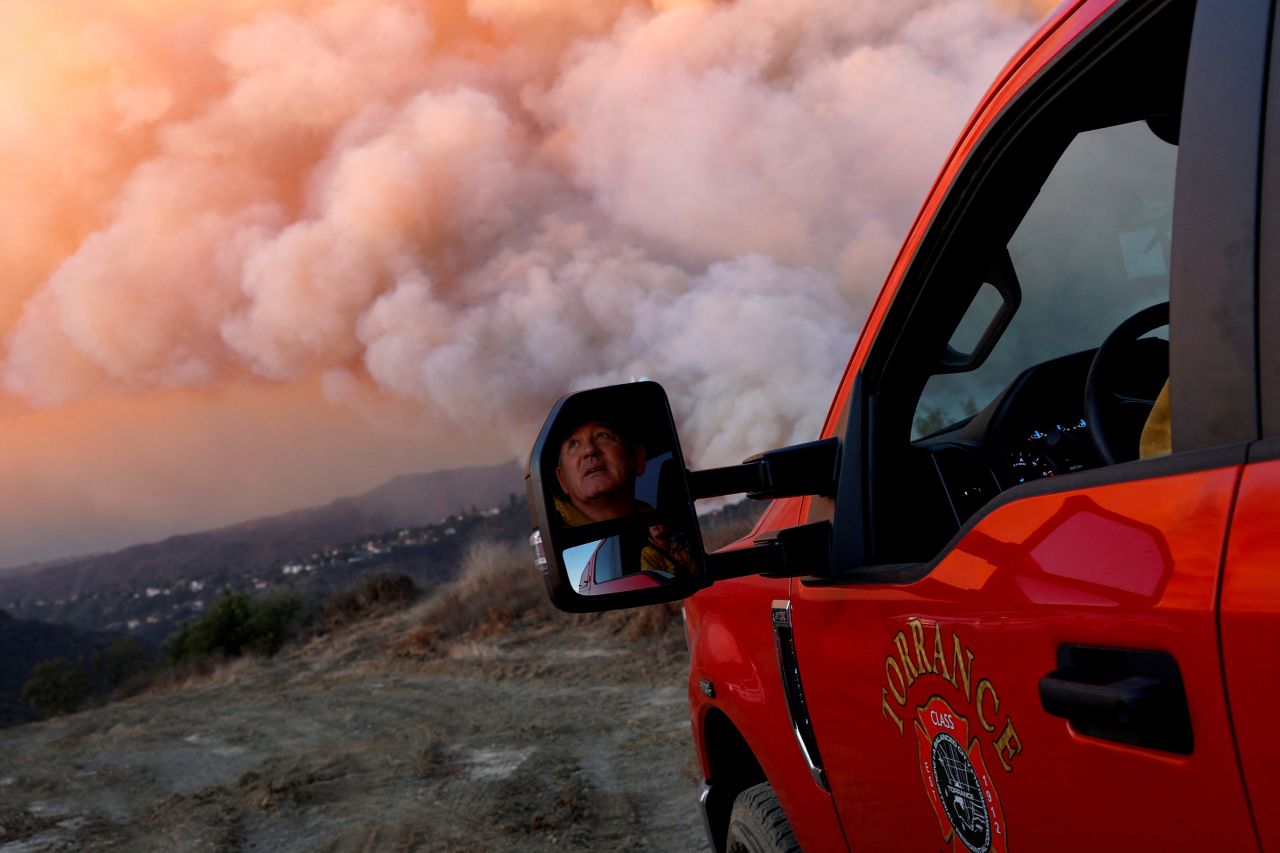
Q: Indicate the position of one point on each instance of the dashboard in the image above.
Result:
(1035, 429)
(1038, 427)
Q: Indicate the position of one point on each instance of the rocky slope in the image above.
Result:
(552, 733)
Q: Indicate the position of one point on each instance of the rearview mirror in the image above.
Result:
(608, 488)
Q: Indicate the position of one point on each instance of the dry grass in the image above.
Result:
(641, 623)
(377, 596)
(726, 526)
(497, 586)
(203, 670)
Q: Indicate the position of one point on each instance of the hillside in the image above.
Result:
(25, 643)
(438, 725)
(141, 582)
(359, 741)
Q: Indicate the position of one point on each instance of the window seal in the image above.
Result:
(1214, 263)
(1268, 327)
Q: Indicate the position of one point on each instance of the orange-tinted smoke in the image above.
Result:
(465, 206)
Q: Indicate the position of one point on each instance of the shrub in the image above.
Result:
(119, 662)
(57, 687)
(236, 624)
(378, 594)
(497, 584)
(271, 623)
(220, 631)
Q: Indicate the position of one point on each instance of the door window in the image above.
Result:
(1092, 250)
(1014, 357)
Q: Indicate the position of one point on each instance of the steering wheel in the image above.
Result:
(1116, 418)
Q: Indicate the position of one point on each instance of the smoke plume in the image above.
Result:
(466, 208)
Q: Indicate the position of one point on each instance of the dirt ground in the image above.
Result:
(556, 735)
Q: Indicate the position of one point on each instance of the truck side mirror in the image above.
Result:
(612, 503)
(609, 492)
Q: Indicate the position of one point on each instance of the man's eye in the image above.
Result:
(605, 434)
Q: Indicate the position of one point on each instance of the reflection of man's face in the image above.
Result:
(598, 470)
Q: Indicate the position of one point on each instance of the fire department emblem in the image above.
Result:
(957, 781)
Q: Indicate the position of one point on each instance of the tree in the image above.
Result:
(220, 631)
(271, 622)
(236, 624)
(119, 662)
(57, 687)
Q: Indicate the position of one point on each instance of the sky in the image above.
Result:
(258, 254)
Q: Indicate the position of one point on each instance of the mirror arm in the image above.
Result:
(801, 469)
(731, 480)
(803, 551)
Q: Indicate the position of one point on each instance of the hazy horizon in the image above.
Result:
(124, 544)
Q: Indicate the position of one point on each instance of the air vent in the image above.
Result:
(789, 666)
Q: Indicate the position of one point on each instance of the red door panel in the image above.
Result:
(925, 697)
(1251, 639)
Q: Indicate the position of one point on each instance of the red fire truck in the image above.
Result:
(1021, 592)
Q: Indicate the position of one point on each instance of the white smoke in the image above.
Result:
(476, 209)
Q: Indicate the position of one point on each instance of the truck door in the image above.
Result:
(1250, 640)
(1250, 619)
(1028, 657)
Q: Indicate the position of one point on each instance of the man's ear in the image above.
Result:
(640, 460)
(560, 479)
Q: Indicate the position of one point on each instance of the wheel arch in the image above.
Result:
(731, 766)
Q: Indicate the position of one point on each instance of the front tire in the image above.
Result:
(757, 824)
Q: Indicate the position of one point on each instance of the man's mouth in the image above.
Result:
(594, 469)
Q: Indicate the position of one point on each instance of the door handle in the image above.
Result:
(1063, 697)
(1133, 696)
